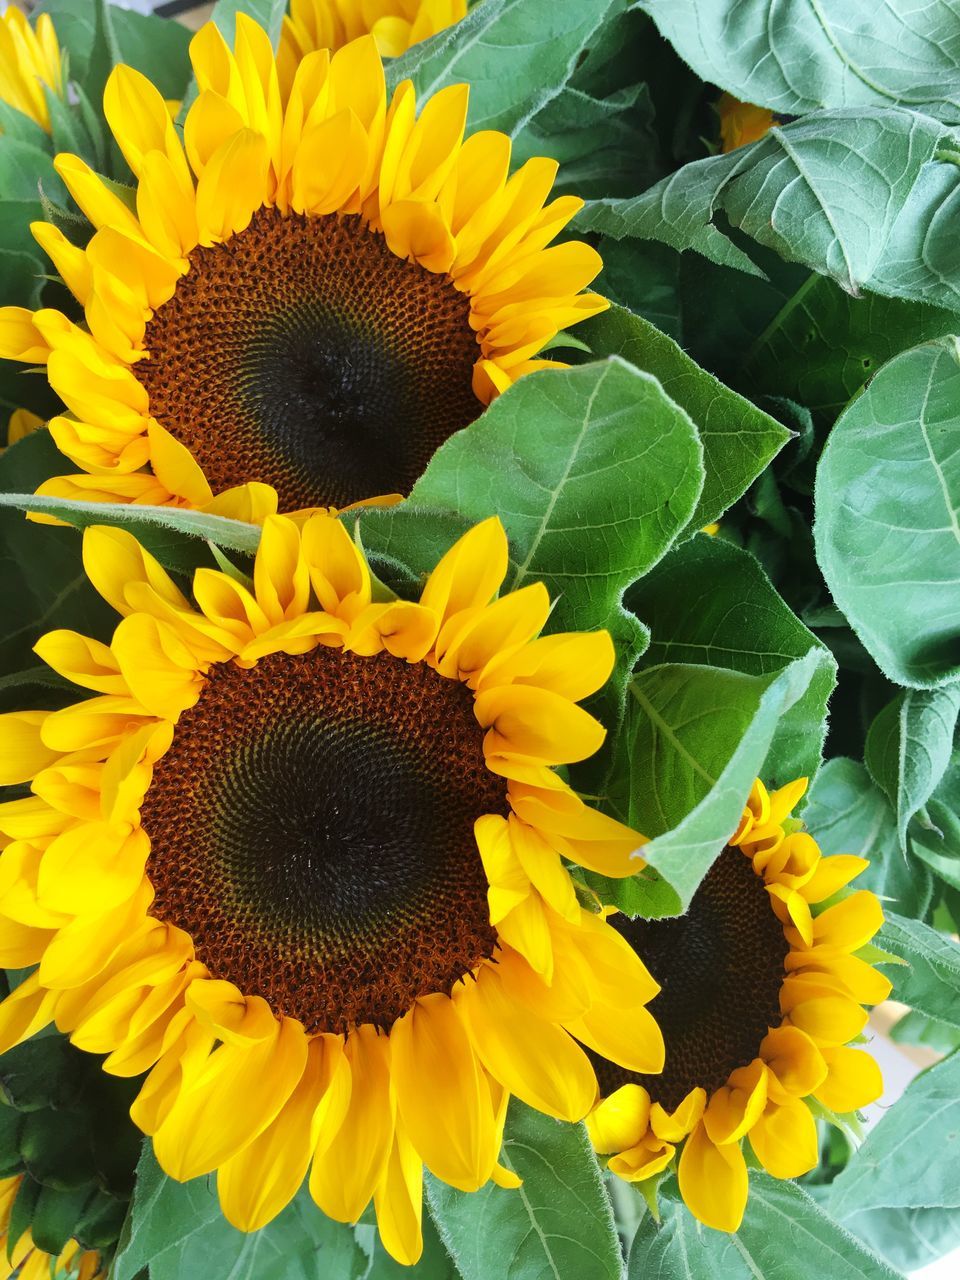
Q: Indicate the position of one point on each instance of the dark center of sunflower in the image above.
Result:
(720, 969)
(311, 828)
(301, 352)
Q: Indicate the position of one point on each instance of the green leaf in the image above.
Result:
(594, 472)
(558, 1223)
(738, 438)
(406, 541)
(907, 1238)
(104, 51)
(709, 602)
(888, 515)
(838, 53)
(41, 568)
(175, 535)
(24, 169)
(847, 813)
(908, 748)
(56, 1214)
(269, 14)
(823, 344)
(785, 1235)
(693, 741)
(930, 980)
(22, 278)
(435, 1263)
(516, 55)
(842, 192)
(911, 1158)
(177, 1230)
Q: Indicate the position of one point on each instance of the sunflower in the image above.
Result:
(26, 1262)
(761, 992)
(742, 122)
(309, 299)
(302, 861)
(330, 24)
(30, 62)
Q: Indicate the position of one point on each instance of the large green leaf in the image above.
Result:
(823, 344)
(888, 515)
(594, 472)
(177, 1230)
(847, 813)
(785, 1235)
(930, 979)
(710, 602)
(907, 1238)
(557, 1224)
(516, 55)
(738, 438)
(693, 740)
(851, 194)
(908, 748)
(835, 53)
(911, 1158)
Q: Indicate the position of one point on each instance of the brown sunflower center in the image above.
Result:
(720, 969)
(303, 353)
(311, 828)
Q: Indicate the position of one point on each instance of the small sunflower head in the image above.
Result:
(302, 860)
(317, 287)
(761, 992)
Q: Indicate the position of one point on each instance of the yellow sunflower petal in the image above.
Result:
(713, 1181)
(344, 1177)
(442, 1094)
(533, 1059)
(398, 1200)
(734, 1107)
(470, 573)
(22, 750)
(853, 1080)
(236, 1095)
(231, 186)
(784, 1138)
(620, 1120)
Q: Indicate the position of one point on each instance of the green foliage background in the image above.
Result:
(783, 358)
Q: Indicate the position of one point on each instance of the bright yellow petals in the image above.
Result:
(30, 61)
(784, 1139)
(621, 1120)
(741, 122)
(713, 1180)
(853, 1080)
(344, 1178)
(262, 1179)
(535, 1060)
(22, 750)
(821, 985)
(442, 1094)
(265, 1091)
(309, 134)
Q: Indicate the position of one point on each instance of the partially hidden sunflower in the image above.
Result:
(762, 990)
(26, 1262)
(302, 860)
(308, 300)
(30, 63)
(741, 122)
(330, 24)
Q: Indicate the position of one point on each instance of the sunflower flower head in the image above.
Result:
(30, 62)
(762, 989)
(313, 292)
(301, 860)
(24, 1261)
(330, 24)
